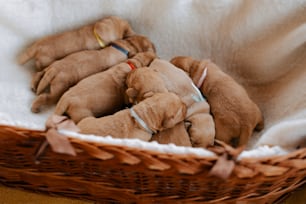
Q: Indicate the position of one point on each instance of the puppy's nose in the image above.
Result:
(234, 141)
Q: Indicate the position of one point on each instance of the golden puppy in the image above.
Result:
(156, 113)
(235, 114)
(53, 81)
(102, 93)
(162, 76)
(197, 130)
(89, 37)
(177, 135)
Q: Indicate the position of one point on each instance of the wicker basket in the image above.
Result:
(122, 174)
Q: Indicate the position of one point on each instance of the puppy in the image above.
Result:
(162, 76)
(235, 114)
(53, 81)
(177, 135)
(156, 113)
(190, 132)
(90, 37)
(102, 93)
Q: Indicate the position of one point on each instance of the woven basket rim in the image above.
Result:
(290, 168)
(99, 140)
(216, 151)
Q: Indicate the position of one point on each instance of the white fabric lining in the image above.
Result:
(255, 43)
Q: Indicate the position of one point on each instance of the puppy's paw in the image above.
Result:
(36, 108)
(35, 80)
(41, 101)
(38, 103)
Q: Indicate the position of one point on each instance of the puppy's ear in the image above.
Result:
(178, 117)
(132, 94)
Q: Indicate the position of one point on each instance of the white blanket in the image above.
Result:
(262, 44)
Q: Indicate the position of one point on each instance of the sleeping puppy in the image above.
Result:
(177, 135)
(235, 114)
(53, 81)
(90, 37)
(156, 113)
(164, 77)
(102, 93)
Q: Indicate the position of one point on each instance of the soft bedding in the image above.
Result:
(261, 44)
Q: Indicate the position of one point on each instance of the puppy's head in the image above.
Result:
(176, 111)
(167, 108)
(112, 28)
(143, 59)
(140, 44)
(124, 26)
(183, 62)
(192, 67)
(143, 83)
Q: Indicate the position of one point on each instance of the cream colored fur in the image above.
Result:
(236, 116)
(51, 48)
(162, 76)
(102, 93)
(53, 81)
(159, 112)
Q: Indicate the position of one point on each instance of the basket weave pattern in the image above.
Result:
(121, 174)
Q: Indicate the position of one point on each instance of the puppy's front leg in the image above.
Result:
(62, 74)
